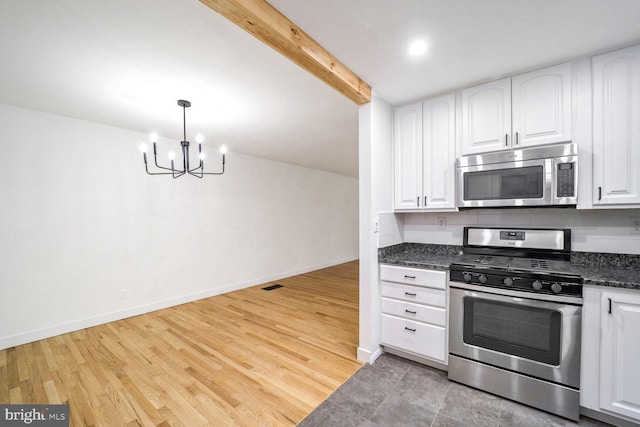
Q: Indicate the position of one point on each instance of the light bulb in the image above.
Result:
(143, 147)
(171, 155)
(201, 156)
(417, 48)
(199, 138)
(153, 137)
(223, 149)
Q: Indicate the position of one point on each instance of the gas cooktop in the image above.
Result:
(526, 260)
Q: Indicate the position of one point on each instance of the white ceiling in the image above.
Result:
(125, 63)
(470, 41)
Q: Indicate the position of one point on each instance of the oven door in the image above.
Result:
(516, 183)
(530, 336)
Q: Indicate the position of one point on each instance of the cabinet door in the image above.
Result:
(486, 117)
(541, 106)
(620, 354)
(616, 127)
(408, 157)
(439, 152)
(417, 337)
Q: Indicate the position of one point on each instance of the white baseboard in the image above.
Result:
(76, 325)
(369, 356)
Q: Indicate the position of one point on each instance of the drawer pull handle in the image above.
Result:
(410, 312)
(411, 294)
(409, 329)
(409, 277)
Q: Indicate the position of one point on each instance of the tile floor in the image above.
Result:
(397, 392)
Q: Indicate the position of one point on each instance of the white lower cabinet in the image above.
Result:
(610, 381)
(416, 337)
(414, 311)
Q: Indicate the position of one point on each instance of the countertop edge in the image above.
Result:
(440, 257)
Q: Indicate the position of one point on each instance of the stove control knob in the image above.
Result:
(483, 278)
(556, 287)
(467, 277)
(508, 281)
(537, 285)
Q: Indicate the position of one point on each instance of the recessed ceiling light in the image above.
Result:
(417, 48)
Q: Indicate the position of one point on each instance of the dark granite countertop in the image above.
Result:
(435, 257)
(599, 269)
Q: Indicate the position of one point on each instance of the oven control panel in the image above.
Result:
(534, 283)
(512, 235)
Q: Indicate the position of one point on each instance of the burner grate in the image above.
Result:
(539, 264)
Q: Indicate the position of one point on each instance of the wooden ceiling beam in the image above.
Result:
(270, 26)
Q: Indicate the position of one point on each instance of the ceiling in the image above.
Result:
(126, 63)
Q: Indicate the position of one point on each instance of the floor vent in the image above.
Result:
(272, 287)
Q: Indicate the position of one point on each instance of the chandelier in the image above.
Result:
(197, 171)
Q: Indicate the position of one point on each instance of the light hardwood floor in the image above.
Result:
(246, 358)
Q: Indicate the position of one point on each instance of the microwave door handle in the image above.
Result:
(549, 182)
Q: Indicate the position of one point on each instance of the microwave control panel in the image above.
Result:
(566, 180)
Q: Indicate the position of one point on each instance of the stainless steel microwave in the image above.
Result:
(537, 176)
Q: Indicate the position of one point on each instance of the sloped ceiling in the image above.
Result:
(125, 63)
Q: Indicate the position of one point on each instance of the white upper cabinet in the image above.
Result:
(408, 156)
(424, 168)
(486, 117)
(541, 103)
(529, 109)
(439, 153)
(616, 127)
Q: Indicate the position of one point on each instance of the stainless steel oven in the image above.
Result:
(515, 318)
(536, 176)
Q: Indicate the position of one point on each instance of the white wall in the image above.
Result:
(375, 130)
(592, 230)
(80, 221)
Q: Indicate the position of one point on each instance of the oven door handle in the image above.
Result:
(517, 294)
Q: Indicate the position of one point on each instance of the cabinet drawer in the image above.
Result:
(416, 294)
(414, 276)
(422, 313)
(419, 338)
